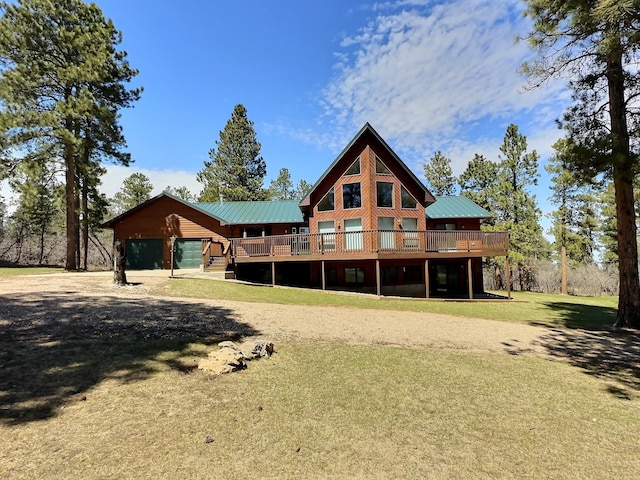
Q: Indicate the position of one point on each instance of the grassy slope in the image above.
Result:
(332, 411)
(561, 310)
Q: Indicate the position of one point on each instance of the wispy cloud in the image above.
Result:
(441, 76)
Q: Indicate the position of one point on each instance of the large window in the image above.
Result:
(351, 197)
(384, 192)
(407, 199)
(410, 237)
(328, 202)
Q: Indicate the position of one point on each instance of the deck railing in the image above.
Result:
(372, 241)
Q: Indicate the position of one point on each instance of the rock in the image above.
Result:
(225, 360)
(232, 357)
(256, 349)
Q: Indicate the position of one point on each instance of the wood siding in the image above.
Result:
(166, 217)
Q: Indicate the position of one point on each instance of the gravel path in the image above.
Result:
(93, 298)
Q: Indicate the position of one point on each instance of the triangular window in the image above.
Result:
(381, 168)
(407, 199)
(354, 169)
(327, 203)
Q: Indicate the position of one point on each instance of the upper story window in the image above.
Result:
(351, 196)
(445, 226)
(407, 199)
(354, 169)
(328, 202)
(381, 168)
(384, 194)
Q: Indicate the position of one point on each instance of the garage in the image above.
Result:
(188, 253)
(143, 253)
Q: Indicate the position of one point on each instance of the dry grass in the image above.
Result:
(333, 411)
(594, 313)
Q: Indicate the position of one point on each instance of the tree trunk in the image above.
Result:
(119, 275)
(563, 270)
(70, 197)
(85, 223)
(623, 174)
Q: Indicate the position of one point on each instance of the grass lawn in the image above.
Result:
(333, 411)
(593, 313)
(7, 271)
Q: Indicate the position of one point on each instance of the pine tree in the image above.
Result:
(478, 183)
(439, 175)
(302, 189)
(596, 45)
(574, 221)
(62, 83)
(136, 189)
(515, 208)
(236, 169)
(281, 188)
(181, 192)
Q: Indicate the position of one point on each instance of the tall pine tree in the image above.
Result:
(596, 45)
(439, 175)
(236, 170)
(61, 85)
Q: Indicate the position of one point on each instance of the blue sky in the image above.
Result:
(428, 75)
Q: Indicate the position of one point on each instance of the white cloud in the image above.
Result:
(432, 77)
(160, 179)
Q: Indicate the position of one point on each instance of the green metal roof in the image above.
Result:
(455, 207)
(246, 213)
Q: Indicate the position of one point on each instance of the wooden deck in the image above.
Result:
(370, 244)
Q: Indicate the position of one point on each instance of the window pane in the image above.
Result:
(354, 169)
(381, 168)
(407, 200)
(351, 197)
(385, 194)
(353, 275)
(388, 274)
(410, 224)
(327, 203)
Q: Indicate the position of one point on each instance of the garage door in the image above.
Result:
(188, 253)
(143, 254)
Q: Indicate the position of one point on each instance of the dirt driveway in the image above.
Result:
(277, 322)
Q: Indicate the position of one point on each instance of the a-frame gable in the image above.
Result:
(367, 137)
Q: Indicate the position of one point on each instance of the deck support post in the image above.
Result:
(470, 275)
(324, 277)
(426, 278)
(273, 274)
(378, 290)
(507, 271)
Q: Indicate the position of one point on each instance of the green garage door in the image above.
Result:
(187, 254)
(143, 254)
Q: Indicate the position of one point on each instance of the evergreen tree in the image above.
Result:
(136, 189)
(181, 192)
(282, 187)
(439, 175)
(236, 169)
(596, 45)
(61, 83)
(574, 221)
(478, 183)
(515, 208)
(302, 189)
(36, 187)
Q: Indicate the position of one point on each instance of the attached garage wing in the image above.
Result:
(143, 254)
(188, 253)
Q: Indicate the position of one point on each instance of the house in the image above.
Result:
(368, 224)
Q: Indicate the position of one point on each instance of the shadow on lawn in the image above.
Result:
(55, 347)
(610, 355)
(589, 317)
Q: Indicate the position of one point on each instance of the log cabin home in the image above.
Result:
(367, 225)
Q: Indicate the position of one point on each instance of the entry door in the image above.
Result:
(387, 239)
(328, 237)
(353, 241)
